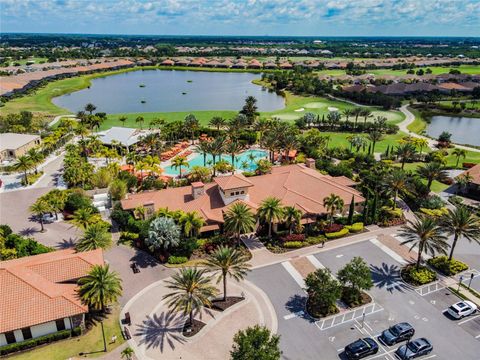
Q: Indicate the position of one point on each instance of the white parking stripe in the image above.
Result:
(292, 315)
(294, 273)
(315, 262)
(464, 321)
(389, 251)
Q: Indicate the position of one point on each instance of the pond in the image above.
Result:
(169, 91)
(464, 130)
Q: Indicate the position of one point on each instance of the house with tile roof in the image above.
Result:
(298, 185)
(39, 293)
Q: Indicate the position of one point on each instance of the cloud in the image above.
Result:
(296, 17)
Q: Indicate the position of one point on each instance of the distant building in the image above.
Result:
(13, 145)
(39, 293)
(123, 136)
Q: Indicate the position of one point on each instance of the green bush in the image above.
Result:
(175, 260)
(45, 339)
(418, 277)
(313, 240)
(434, 212)
(354, 228)
(447, 267)
(338, 234)
(293, 244)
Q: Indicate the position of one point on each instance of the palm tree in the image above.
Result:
(333, 203)
(347, 113)
(397, 181)
(270, 211)
(356, 112)
(192, 222)
(461, 222)
(140, 120)
(84, 217)
(233, 147)
(96, 236)
(100, 287)
(39, 208)
(228, 262)
(375, 135)
(36, 157)
(366, 113)
(238, 219)
(432, 171)
(292, 217)
(463, 181)
(178, 162)
(424, 233)
(23, 163)
(218, 122)
(459, 153)
(199, 173)
(90, 108)
(191, 291)
(191, 125)
(421, 143)
(123, 119)
(203, 147)
(127, 353)
(405, 152)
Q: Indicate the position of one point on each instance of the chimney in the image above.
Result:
(310, 163)
(198, 189)
(149, 209)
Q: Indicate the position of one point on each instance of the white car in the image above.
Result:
(462, 309)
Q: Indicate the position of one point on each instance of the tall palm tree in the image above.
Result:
(23, 163)
(233, 147)
(140, 120)
(192, 222)
(374, 136)
(270, 211)
(333, 203)
(199, 173)
(432, 171)
(203, 147)
(191, 291)
(217, 147)
(347, 113)
(84, 217)
(178, 162)
(100, 287)
(405, 152)
(96, 236)
(460, 223)
(421, 143)
(238, 219)
(191, 124)
(292, 217)
(228, 262)
(39, 208)
(397, 182)
(36, 157)
(90, 108)
(123, 119)
(366, 113)
(459, 153)
(424, 233)
(356, 112)
(218, 122)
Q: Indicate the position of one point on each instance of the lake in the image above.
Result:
(464, 130)
(168, 91)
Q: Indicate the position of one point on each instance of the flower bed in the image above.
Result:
(355, 228)
(351, 302)
(446, 267)
(190, 330)
(418, 277)
(317, 313)
(337, 234)
(221, 305)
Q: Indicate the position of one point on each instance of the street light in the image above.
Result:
(471, 278)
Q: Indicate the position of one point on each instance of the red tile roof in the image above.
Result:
(34, 290)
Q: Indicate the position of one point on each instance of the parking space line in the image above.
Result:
(292, 315)
(389, 252)
(429, 288)
(385, 350)
(478, 336)
(465, 321)
(294, 274)
(346, 317)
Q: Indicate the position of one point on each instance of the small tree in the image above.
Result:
(255, 343)
(323, 291)
(39, 208)
(127, 353)
(355, 277)
(163, 234)
(96, 236)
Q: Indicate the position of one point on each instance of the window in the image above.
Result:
(10, 336)
(242, 192)
(27, 333)
(60, 324)
(237, 193)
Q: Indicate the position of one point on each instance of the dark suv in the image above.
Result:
(361, 348)
(397, 333)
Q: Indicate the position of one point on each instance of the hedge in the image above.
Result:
(293, 244)
(338, 234)
(447, 267)
(434, 212)
(357, 227)
(293, 237)
(45, 339)
(175, 260)
(418, 277)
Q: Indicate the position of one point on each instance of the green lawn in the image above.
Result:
(419, 124)
(339, 139)
(92, 341)
(24, 61)
(464, 69)
(470, 105)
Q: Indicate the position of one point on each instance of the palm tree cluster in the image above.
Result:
(29, 161)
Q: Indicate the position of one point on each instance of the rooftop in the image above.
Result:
(14, 141)
(125, 136)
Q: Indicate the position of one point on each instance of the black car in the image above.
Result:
(399, 332)
(413, 349)
(361, 348)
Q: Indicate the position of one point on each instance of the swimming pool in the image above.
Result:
(245, 161)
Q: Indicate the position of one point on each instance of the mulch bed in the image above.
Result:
(189, 331)
(317, 313)
(221, 305)
(364, 299)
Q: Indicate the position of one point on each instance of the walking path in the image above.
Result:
(57, 119)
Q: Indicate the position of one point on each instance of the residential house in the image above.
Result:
(13, 145)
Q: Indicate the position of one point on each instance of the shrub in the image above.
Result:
(293, 244)
(174, 260)
(391, 213)
(337, 234)
(418, 277)
(293, 237)
(45, 339)
(354, 228)
(127, 237)
(77, 200)
(313, 240)
(447, 267)
(332, 228)
(432, 202)
(434, 212)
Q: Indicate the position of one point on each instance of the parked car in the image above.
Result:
(462, 309)
(397, 333)
(414, 349)
(361, 348)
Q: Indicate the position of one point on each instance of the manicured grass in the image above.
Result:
(464, 69)
(24, 61)
(472, 157)
(338, 139)
(470, 105)
(419, 124)
(91, 342)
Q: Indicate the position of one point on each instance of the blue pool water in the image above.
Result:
(242, 161)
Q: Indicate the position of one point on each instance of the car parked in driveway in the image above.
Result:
(397, 333)
(462, 309)
(361, 348)
(414, 349)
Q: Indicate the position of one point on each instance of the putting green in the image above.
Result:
(315, 105)
(286, 116)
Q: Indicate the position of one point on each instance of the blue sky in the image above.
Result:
(245, 17)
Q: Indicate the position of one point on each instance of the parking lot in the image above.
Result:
(393, 301)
